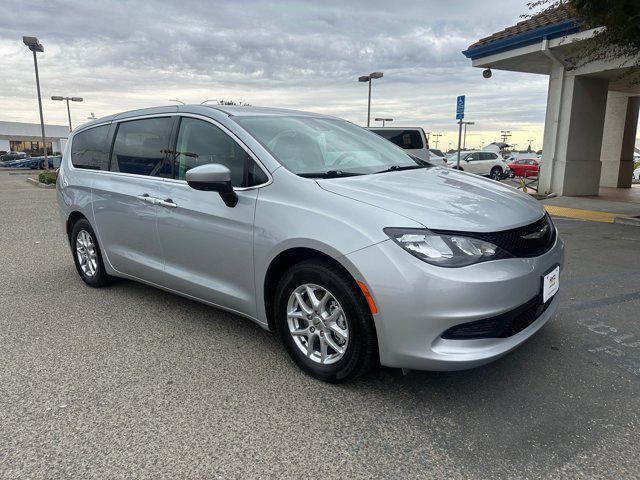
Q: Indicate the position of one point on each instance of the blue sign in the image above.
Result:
(460, 107)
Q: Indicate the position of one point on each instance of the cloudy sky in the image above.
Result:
(122, 55)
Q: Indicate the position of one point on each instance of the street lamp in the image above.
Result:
(35, 46)
(368, 78)
(73, 99)
(383, 120)
(464, 142)
(437, 135)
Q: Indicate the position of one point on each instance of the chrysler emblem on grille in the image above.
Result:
(537, 234)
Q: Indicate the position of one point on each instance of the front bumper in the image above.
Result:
(417, 302)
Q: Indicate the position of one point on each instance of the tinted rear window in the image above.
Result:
(407, 139)
(140, 147)
(89, 149)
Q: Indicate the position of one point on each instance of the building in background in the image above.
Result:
(27, 137)
(592, 108)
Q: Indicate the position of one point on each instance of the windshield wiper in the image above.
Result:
(395, 168)
(330, 174)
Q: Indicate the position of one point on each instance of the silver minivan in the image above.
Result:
(355, 252)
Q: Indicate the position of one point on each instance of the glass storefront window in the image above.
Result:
(34, 149)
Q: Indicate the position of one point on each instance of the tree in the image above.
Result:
(618, 40)
(233, 102)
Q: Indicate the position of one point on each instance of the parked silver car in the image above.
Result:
(354, 251)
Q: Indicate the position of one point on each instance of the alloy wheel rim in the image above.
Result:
(317, 324)
(86, 253)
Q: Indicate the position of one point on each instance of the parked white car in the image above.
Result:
(489, 164)
(437, 157)
(412, 139)
(636, 174)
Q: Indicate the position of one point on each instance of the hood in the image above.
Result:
(442, 199)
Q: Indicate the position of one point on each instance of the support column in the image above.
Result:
(618, 140)
(572, 143)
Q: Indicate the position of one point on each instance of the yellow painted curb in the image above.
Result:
(594, 216)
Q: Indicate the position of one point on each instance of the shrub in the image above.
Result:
(47, 177)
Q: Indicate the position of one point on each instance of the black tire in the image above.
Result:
(361, 352)
(496, 173)
(100, 278)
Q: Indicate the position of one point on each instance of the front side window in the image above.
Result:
(89, 149)
(140, 147)
(311, 146)
(201, 142)
(473, 157)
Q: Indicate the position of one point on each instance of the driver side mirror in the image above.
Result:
(213, 177)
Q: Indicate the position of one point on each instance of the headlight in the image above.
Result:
(445, 250)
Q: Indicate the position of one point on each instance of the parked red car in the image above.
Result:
(524, 167)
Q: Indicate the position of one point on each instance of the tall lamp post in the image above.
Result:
(368, 78)
(437, 135)
(73, 99)
(35, 46)
(464, 141)
(383, 120)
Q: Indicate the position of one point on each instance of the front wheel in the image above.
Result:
(324, 322)
(496, 173)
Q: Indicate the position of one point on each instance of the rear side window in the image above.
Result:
(140, 147)
(89, 149)
(407, 139)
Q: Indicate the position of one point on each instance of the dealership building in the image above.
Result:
(592, 107)
(27, 137)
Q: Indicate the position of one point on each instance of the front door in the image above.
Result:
(472, 163)
(208, 246)
(123, 199)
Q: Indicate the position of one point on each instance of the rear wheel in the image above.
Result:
(87, 256)
(324, 323)
(496, 173)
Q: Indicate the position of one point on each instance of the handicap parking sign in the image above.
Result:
(460, 107)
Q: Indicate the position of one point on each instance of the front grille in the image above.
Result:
(515, 242)
(501, 326)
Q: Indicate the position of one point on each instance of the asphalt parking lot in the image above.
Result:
(133, 382)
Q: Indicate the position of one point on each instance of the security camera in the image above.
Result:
(487, 73)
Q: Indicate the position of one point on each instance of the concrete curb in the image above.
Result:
(635, 221)
(40, 185)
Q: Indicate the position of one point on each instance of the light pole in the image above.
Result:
(368, 78)
(73, 99)
(530, 140)
(437, 135)
(35, 46)
(383, 120)
(464, 142)
(505, 134)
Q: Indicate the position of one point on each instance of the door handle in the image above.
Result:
(166, 203)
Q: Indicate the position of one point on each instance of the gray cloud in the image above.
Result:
(125, 54)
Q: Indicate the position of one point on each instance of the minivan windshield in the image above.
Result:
(326, 147)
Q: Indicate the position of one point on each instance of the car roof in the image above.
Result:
(394, 128)
(230, 110)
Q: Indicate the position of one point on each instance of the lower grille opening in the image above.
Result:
(501, 326)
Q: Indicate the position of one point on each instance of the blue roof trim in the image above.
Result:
(524, 39)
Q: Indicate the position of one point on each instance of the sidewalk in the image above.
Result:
(618, 205)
